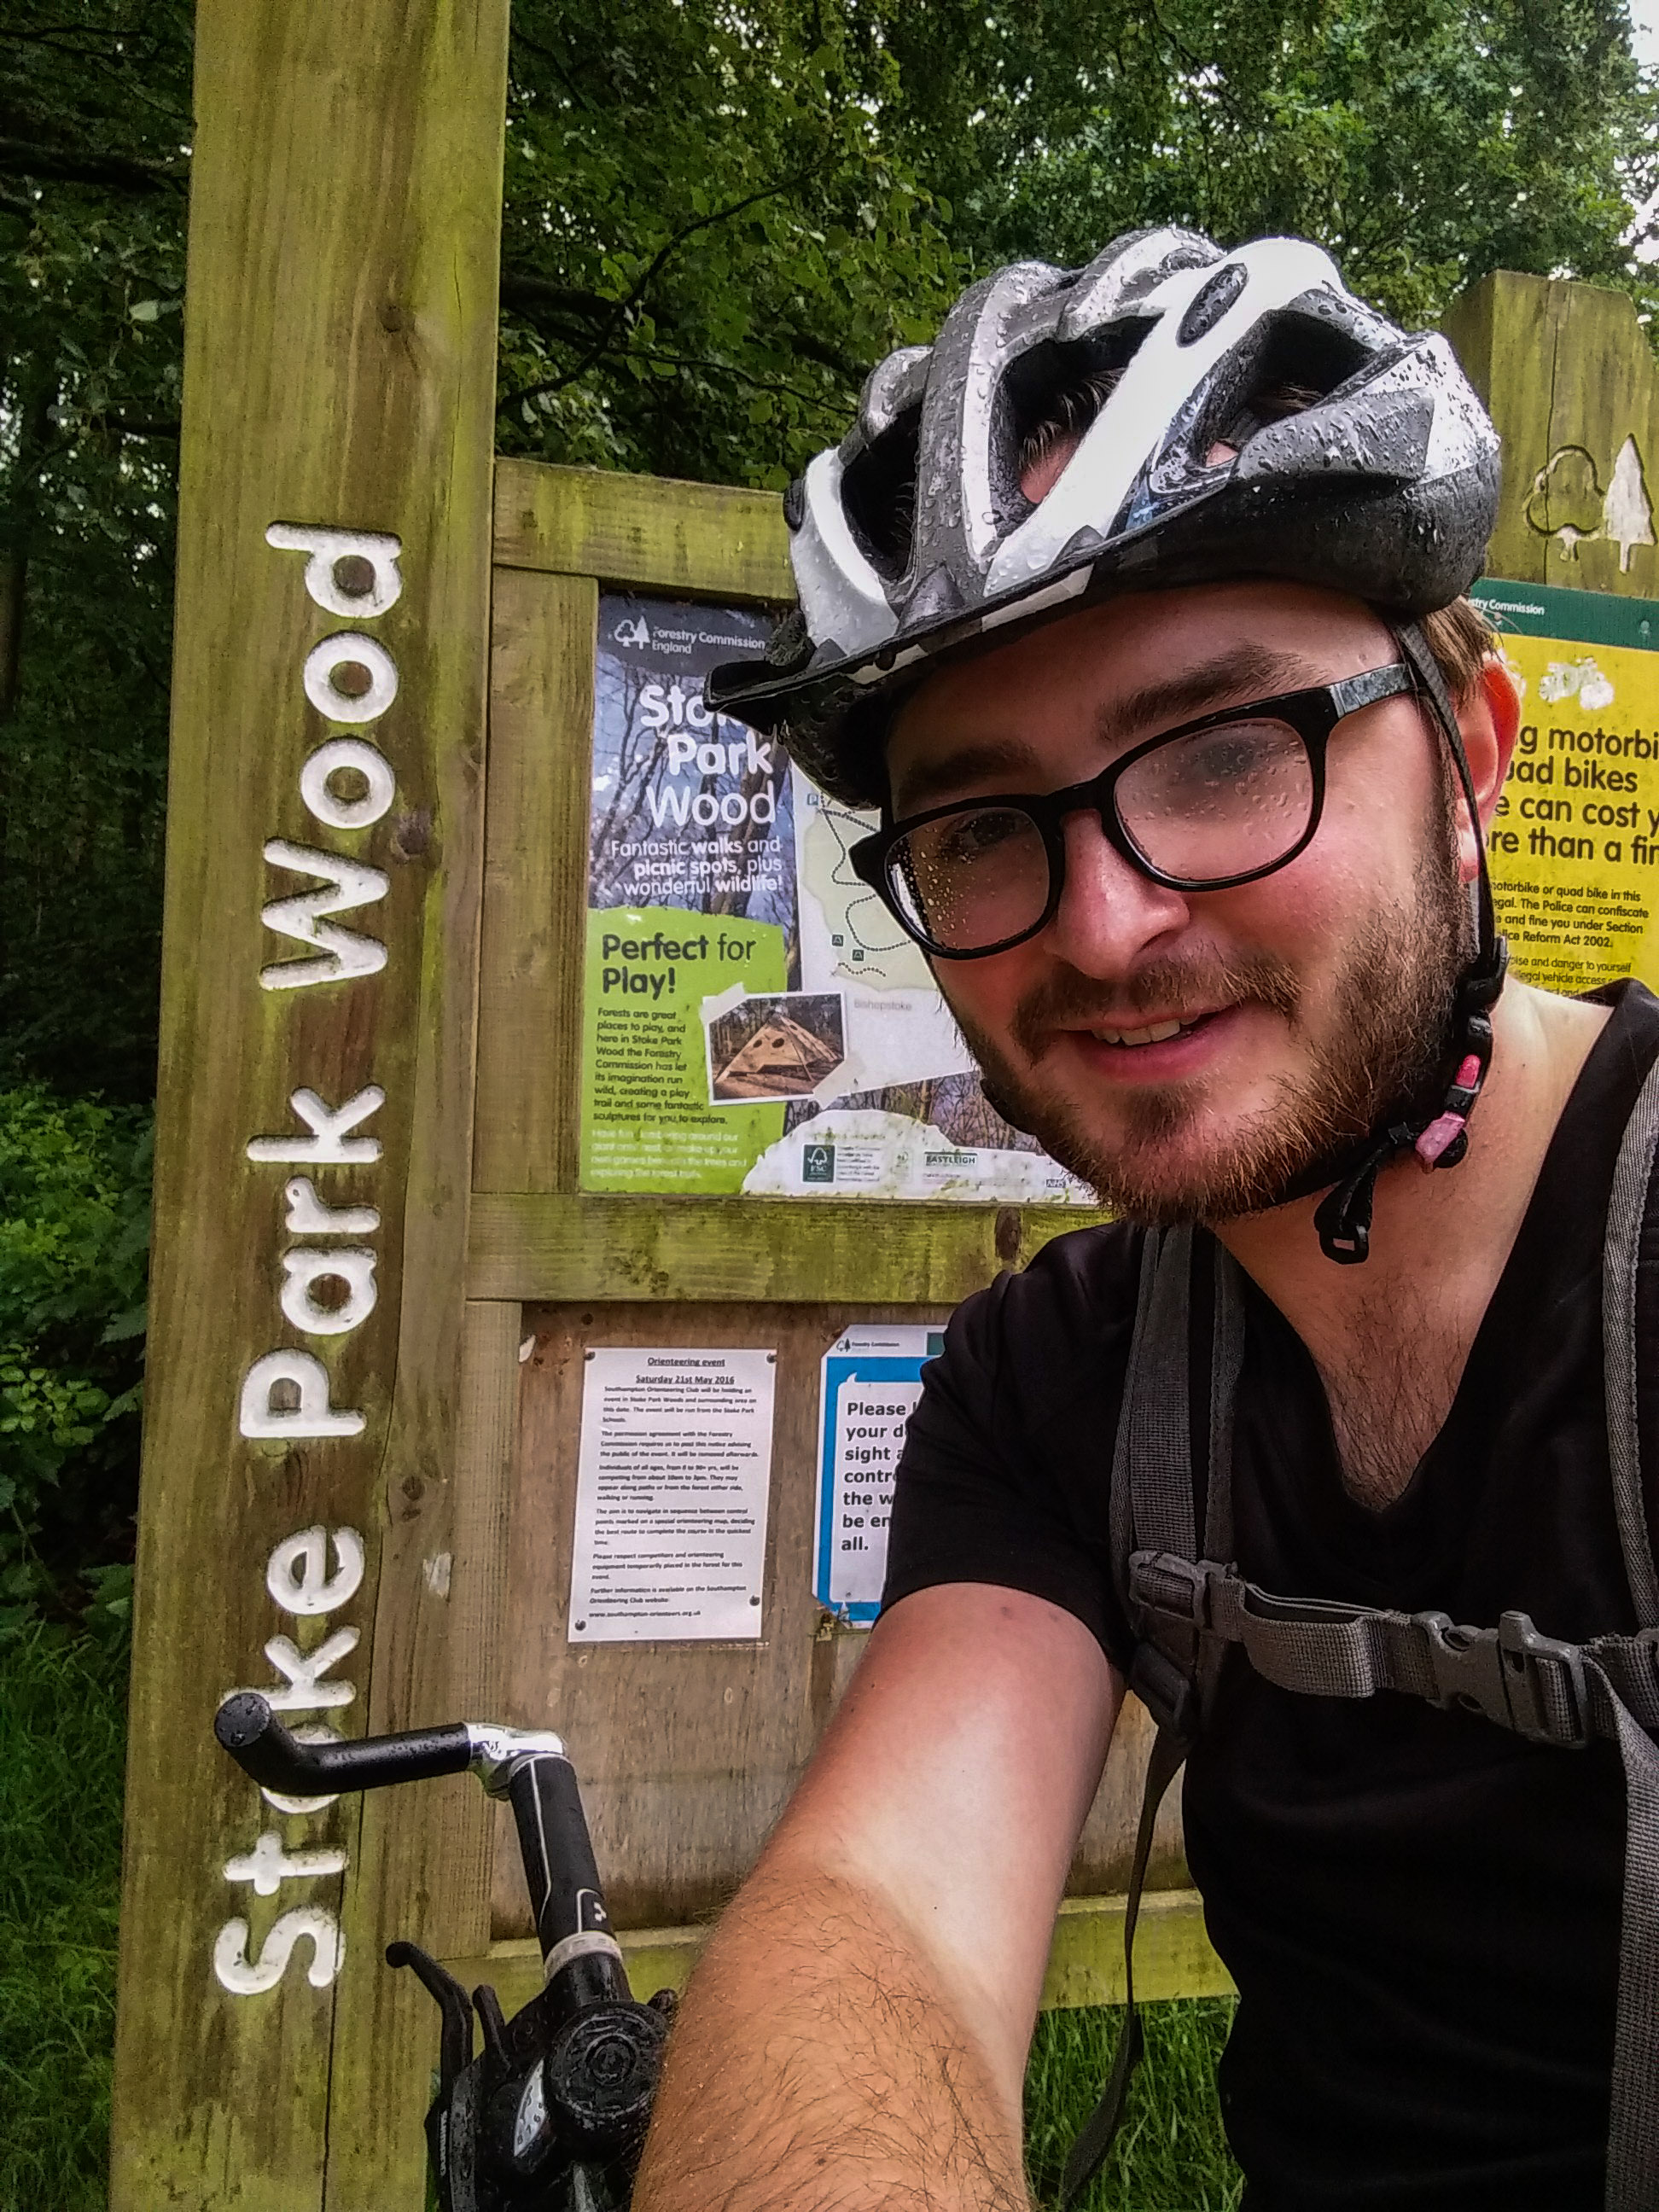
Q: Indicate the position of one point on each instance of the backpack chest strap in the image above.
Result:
(1537, 1685)
(1566, 1695)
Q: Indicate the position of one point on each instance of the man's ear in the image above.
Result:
(1490, 719)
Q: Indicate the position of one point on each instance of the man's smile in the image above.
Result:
(1162, 1050)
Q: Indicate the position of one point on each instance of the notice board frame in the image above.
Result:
(562, 536)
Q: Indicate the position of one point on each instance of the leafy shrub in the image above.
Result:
(61, 1709)
(74, 1244)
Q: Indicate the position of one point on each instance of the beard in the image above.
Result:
(1380, 1048)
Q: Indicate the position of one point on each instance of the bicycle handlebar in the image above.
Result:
(529, 1767)
(551, 2113)
(250, 1731)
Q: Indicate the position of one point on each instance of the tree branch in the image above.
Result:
(126, 426)
(620, 307)
(20, 157)
(811, 349)
(522, 290)
(674, 361)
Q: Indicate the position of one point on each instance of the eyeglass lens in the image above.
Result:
(1218, 804)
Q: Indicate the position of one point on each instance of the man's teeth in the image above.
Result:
(1159, 1033)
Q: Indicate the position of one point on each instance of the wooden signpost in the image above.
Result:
(384, 1277)
(324, 846)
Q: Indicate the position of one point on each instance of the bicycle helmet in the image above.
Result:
(1250, 417)
(913, 538)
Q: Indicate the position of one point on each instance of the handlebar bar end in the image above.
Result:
(241, 1721)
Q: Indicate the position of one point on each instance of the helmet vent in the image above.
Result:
(1298, 363)
(1054, 391)
(878, 494)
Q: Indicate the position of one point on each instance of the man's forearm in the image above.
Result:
(818, 2066)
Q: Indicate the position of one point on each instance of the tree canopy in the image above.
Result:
(719, 213)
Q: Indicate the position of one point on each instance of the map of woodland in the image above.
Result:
(865, 945)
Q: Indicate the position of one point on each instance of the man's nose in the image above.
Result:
(1110, 916)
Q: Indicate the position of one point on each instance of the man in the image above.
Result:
(1241, 974)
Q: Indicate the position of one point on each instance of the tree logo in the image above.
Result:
(1629, 516)
(1567, 501)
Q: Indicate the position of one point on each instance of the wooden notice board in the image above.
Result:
(388, 1237)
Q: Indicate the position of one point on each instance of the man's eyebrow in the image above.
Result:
(1243, 674)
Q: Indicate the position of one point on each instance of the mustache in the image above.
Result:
(1179, 989)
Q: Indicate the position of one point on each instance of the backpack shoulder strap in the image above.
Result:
(1628, 1212)
(1154, 1508)
(1155, 1489)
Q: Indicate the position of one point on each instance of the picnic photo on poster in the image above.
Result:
(754, 1020)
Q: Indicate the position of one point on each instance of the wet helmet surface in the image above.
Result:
(913, 539)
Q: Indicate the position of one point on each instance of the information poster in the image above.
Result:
(871, 1383)
(754, 1020)
(672, 1485)
(1574, 846)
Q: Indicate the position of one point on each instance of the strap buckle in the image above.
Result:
(1176, 1592)
(1512, 1676)
(1544, 1681)
(1163, 1582)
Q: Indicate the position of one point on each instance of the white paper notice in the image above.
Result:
(671, 1494)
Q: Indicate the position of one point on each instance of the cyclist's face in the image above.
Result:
(1188, 1053)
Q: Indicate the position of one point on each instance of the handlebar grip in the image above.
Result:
(571, 1919)
(248, 1730)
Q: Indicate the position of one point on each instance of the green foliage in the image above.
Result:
(95, 124)
(1423, 142)
(74, 1242)
(61, 1712)
(717, 219)
(1170, 2154)
(709, 236)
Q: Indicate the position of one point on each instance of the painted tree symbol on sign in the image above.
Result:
(1627, 512)
(1566, 499)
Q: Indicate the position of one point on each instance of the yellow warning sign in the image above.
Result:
(1574, 845)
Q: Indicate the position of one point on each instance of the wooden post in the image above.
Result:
(314, 1138)
(1570, 381)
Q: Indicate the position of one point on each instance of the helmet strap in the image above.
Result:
(1439, 1138)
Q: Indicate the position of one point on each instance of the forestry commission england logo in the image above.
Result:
(632, 630)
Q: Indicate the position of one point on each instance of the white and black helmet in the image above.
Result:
(1377, 475)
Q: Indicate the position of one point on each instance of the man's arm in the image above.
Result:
(855, 2035)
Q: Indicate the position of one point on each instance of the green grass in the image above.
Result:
(62, 1725)
(62, 1716)
(1170, 2154)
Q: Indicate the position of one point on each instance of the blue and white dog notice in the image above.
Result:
(872, 1381)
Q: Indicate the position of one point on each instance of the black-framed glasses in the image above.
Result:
(1217, 802)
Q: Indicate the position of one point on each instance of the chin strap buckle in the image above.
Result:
(1344, 1218)
(1445, 1140)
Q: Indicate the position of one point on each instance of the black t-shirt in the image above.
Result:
(1420, 1910)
